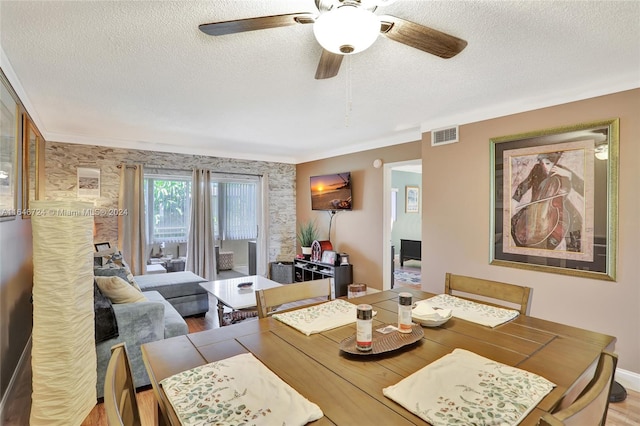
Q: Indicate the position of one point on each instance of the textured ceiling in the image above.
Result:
(141, 75)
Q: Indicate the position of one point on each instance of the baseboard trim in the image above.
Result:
(628, 379)
(24, 358)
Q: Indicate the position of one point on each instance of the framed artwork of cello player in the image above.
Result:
(554, 200)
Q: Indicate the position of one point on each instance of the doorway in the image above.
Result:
(397, 177)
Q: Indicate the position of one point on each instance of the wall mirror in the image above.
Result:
(8, 150)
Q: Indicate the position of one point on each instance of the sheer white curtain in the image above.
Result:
(238, 216)
(201, 257)
(132, 240)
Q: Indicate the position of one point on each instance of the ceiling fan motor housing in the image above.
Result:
(347, 29)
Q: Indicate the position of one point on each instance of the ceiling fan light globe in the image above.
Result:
(347, 29)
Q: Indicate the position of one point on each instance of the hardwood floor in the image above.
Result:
(18, 408)
(626, 412)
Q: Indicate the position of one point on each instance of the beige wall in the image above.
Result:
(356, 232)
(455, 222)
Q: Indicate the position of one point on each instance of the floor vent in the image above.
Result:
(444, 136)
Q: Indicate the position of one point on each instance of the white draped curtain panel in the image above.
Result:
(132, 240)
(201, 258)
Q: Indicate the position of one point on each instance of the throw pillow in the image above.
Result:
(118, 290)
(111, 270)
(130, 277)
(106, 326)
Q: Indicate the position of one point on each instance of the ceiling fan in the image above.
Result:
(344, 27)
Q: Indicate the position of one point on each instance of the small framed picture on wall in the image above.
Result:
(88, 182)
(412, 203)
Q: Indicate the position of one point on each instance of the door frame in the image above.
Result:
(386, 218)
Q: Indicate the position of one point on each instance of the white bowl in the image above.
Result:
(427, 322)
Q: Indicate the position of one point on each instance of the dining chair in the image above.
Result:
(515, 294)
(120, 402)
(269, 298)
(590, 408)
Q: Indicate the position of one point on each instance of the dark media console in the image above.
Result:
(306, 270)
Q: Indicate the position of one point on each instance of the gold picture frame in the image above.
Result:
(554, 200)
(9, 149)
(32, 153)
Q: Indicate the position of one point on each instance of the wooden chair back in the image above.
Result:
(120, 402)
(269, 298)
(591, 406)
(518, 295)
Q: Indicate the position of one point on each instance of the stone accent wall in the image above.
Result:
(62, 160)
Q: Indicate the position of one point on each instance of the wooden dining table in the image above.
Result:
(348, 388)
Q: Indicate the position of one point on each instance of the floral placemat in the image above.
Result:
(319, 318)
(236, 390)
(479, 313)
(465, 388)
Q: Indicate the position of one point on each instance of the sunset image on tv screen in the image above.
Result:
(331, 192)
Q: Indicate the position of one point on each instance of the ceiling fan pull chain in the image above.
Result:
(348, 94)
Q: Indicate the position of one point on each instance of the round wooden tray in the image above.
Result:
(384, 342)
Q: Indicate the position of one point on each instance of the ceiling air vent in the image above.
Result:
(444, 136)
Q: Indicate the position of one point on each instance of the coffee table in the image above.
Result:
(230, 295)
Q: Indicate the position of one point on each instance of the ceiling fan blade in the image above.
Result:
(421, 37)
(329, 65)
(260, 23)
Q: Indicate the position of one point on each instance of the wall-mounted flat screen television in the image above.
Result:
(331, 192)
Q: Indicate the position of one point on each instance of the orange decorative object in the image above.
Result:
(317, 247)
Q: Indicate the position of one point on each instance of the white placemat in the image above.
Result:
(236, 390)
(471, 311)
(319, 318)
(465, 388)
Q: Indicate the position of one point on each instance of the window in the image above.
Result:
(168, 200)
(167, 207)
(236, 206)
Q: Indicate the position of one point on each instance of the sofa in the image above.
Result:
(169, 297)
(180, 289)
